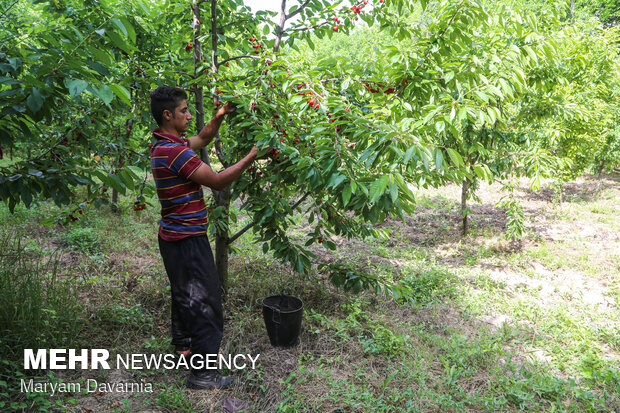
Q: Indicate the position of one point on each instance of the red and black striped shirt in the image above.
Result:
(183, 209)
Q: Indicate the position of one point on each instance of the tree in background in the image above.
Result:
(448, 92)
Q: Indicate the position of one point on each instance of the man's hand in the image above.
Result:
(264, 152)
(204, 175)
(228, 107)
(208, 132)
(253, 152)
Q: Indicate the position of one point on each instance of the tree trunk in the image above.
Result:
(464, 189)
(222, 241)
(198, 92)
(222, 198)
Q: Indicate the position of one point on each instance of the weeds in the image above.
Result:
(359, 352)
(81, 239)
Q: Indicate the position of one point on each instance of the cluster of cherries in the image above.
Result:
(138, 206)
(378, 89)
(358, 9)
(255, 45)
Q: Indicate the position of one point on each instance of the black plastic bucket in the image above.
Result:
(282, 315)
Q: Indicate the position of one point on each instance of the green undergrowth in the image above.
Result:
(99, 283)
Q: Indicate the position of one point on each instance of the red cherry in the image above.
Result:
(217, 103)
(319, 239)
(335, 28)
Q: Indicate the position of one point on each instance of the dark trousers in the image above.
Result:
(197, 320)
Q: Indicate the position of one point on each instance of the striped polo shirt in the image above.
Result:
(183, 209)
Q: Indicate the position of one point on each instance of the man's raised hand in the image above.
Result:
(229, 107)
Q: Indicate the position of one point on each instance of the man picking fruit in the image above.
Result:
(197, 321)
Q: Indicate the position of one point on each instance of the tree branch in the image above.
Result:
(276, 45)
(213, 36)
(254, 222)
(303, 29)
(296, 12)
(217, 145)
(4, 13)
(230, 59)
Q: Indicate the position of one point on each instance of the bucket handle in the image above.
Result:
(273, 317)
(276, 312)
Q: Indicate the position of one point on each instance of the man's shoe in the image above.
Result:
(208, 380)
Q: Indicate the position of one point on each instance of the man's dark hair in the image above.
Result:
(165, 98)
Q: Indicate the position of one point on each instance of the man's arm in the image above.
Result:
(208, 132)
(204, 175)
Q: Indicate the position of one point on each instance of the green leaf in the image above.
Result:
(116, 183)
(531, 53)
(104, 93)
(346, 195)
(345, 84)
(26, 196)
(495, 91)
(438, 158)
(122, 93)
(455, 157)
(393, 191)
(35, 100)
(126, 178)
(120, 26)
(482, 96)
(536, 183)
(131, 33)
(377, 188)
(266, 29)
(479, 171)
(76, 86)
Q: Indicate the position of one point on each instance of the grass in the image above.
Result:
(490, 327)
